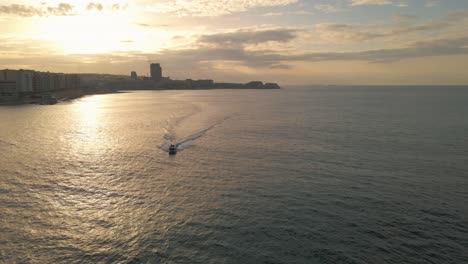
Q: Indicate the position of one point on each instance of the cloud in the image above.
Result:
(370, 2)
(327, 8)
(450, 21)
(282, 59)
(344, 32)
(427, 27)
(377, 2)
(280, 66)
(94, 6)
(301, 12)
(223, 63)
(403, 18)
(116, 7)
(273, 14)
(244, 37)
(62, 9)
(432, 3)
(404, 25)
(209, 8)
(435, 47)
(456, 17)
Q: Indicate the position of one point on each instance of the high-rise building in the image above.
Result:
(9, 75)
(8, 90)
(72, 81)
(156, 72)
(21, 78)
(134, 75)
(24, 81)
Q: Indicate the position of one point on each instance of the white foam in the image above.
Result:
(186, 142)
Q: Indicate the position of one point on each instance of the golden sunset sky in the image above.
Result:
(287, 41)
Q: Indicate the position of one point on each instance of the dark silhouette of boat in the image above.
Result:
(172, 149)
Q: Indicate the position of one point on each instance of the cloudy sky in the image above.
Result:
(286, 41)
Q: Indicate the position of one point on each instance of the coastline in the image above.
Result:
(60, 95)
(69, 95)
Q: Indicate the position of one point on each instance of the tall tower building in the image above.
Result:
(156, 72)
(134, 75)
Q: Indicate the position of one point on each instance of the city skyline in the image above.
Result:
(287, 41)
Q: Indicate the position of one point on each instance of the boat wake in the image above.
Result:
(186, 142)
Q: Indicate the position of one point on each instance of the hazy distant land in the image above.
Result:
(28, 86)
(122, 82)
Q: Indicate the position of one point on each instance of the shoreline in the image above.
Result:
(61, 96)
(70, 95)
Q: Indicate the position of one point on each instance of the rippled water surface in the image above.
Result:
(317, 175)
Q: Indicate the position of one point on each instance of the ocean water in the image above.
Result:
(298, 175)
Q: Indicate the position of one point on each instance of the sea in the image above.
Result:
(317, 174)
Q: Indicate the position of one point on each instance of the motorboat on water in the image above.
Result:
(172, 149)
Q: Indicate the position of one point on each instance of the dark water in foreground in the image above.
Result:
(321, 175)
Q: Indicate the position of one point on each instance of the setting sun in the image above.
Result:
(90, 32)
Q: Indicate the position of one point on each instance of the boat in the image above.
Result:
(172, 149)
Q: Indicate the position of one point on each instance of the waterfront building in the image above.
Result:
(8, 75)
(36, 82)
(8, 90)
(43, 82)
(47, 82)
(204, 83)
(24, 81)
(59, 81)
(72, 81)
(134, 75)
(21, 78)
(156, 72)
(28, 81)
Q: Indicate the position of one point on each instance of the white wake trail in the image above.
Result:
(188, 141)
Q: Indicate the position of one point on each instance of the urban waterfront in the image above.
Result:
(297, 175)
(29, 86)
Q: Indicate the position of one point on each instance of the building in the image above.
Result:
(24, 79)
(43, 82)
(204, 83)
(72, 81)
(21, 78)
(29, 81)
(156, 72)
(47, 82)
(59, 81)
(134, 75)
(8, 75)
(8, 90)
(36, 82)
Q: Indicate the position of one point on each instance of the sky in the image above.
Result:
(295, 42)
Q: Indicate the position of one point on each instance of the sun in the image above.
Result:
(105, 30)
(90, 32)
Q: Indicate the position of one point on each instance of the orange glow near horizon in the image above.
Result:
(97, 33)
(86, 34)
